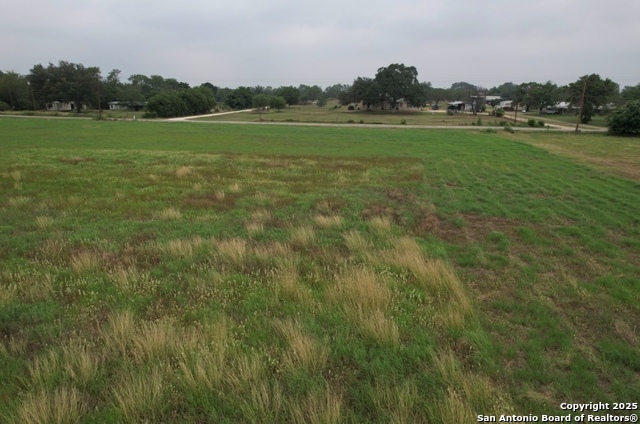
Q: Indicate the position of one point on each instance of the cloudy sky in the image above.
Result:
(287, 42)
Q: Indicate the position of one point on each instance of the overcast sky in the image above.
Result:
(286, 42)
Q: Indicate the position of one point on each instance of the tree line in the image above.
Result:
(168, 97)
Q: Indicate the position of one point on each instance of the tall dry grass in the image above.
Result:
(85, 261)
(305, 351)
(397, 402)
(381, 224)
(169, 214)
(62, 406)
(183, 171)
(233, 250)
(302, 236)
(139, 395)
(327, 221)
(319, 407)
(355, 242)
(359, 290)
(290, 288)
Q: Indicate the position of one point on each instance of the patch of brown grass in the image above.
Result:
(359, 290)
(327, 221)
(85, 261)
(302, 236)
(319, 407)
(139, 395)
(355, 242)
(64, 405)
(305, 351)
(233, 250)
(44, 222)
(169, 214)
(381, 224)
(183, 171)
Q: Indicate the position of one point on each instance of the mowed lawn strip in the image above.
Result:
(178, 272)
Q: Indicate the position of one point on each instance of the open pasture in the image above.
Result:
(177, 272)
(315, 114)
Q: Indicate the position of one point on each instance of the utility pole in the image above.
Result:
(32, 96)
(584, 90)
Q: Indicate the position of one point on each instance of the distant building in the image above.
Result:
(126, 106)
(62, 106)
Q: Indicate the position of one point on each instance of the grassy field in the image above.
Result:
(91, 114)
(596, 121)
(173, 272)
(312, 113)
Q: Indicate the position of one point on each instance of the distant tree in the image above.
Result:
(66, 82)
(111, 87)
(598, 93)
(436, 95)
(155, 84)
(537, 96)
(167, 105)
(213, 88)
(506, 91)
(365, 90)
(278, 102)
(14, 91)
(240, 98)
(630, 93)
(309, 93)
(129, 93)
(196, 101)
(625, 120)
(398, 81)
(321, 101)
(261, 101)
(462, 91)
(290, 93)
(334, 91)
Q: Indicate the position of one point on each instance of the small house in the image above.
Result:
(61, 106)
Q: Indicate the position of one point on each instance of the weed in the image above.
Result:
(325, 221)
(44, 222)
(319, 407)
(305, 351)
(64, 405)
(183, 171)
(355, 242)
(233, 250)
(139, 395)
(302, 236)
(169, 213)
(85, 261)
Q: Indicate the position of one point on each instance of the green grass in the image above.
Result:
(93, 114)
(329, 115)
(177, 272)
(596, 120)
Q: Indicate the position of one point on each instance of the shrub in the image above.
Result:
(351, 107)
(403, 122)
(4, 106)
(531, 122)
(450, 112)
(626, 119)
(499, 112)
(362, 121)
(167, 105)
(508, 129)
(540, 123)
(479, 122)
